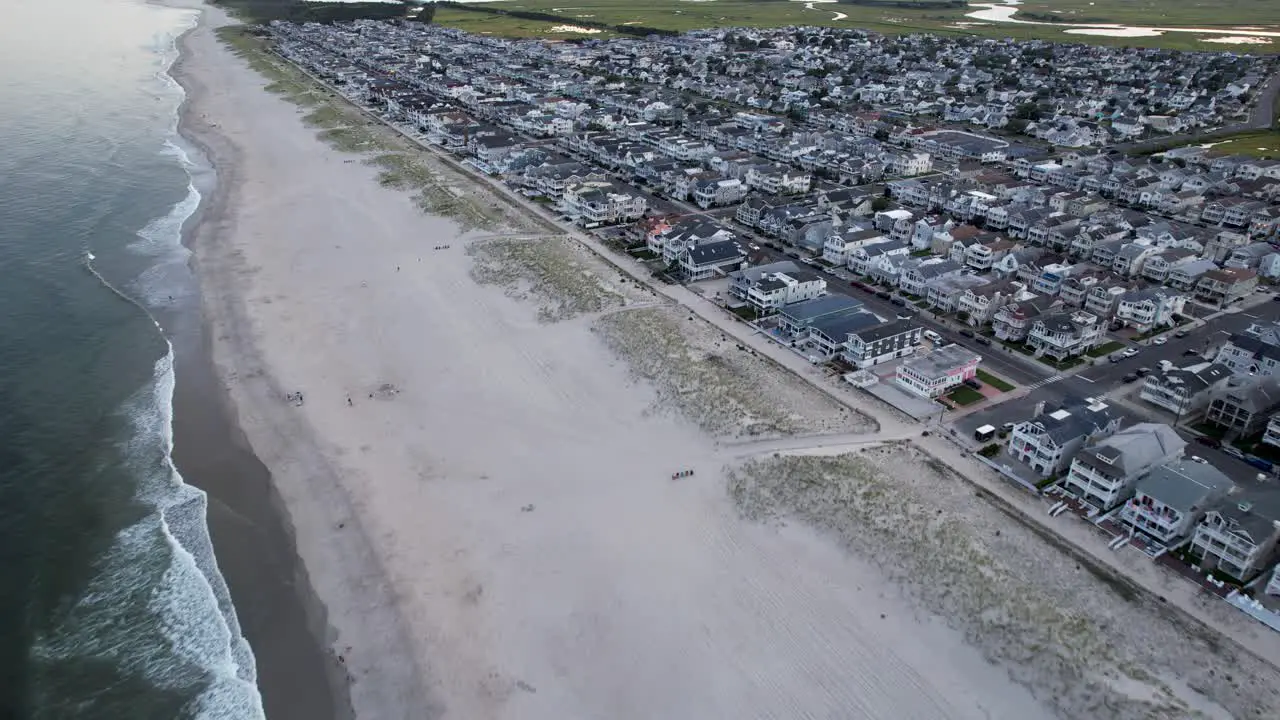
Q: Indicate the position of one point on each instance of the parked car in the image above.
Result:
(984, 340)
(1114, 357)
(1160, 340)
(1227, 449)
(1143, 371)
(1129, 378)
(932, 337)
(1210, 441)
(1190, 351)
(1260, 463)
(883, 295)
(967, 333)
(898, 301)
(1007, 427)
(1129, 353)
(1181, 334)
(974, 383)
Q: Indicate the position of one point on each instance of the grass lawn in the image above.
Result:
(995, 382)
(964, 395)
(1260, 144)
(507, 26)
(1064, 365)
(1106, 348)
(891, 19)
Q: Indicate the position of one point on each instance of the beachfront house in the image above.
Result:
(1049, 440)
(933, 374)
(1170, 499)
(1239, 534)
(1103, 474)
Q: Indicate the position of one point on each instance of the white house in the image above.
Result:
(1150, 308)
(776, 289)
(1048, 441)
(1185, 391)
(933, 374)
(1238, 535)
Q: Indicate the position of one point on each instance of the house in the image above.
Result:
(944, 293)
(1271, 435)
(1187, 275)
(598, 203)
(1255, 351)
(886, 341)
(1239, 534)
(1048, 441)
(912, 281)
(669, 241)
(1151, 308)
(838, 246)
(979, 304)
(982, 256)
(772, 290)
(718, 192)
(1103, 474)
(1220, 288)
(1184, 391)
(1158, 266)
(829, 336)
(1013, 321)
(861, 258)
(741, 281)
(1170, 499)
(1065, 334)
(1248, 256)
(933, 374)
(1130, 258)
(1244, 403)
(1104, 297)
(713, 259)
(795, 319)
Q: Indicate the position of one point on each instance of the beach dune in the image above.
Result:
(484, 500)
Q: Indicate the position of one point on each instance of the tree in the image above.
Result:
(879, 204)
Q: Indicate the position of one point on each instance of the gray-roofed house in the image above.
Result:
(1066, 334)
(1255, 351)
(913, 281)
(740, 281)
(1149, 308)
(1102, 475)
(795, 319)
(1244, 403)
(1239, 534)
(1170, 499)
(1185, 391)
(885, 341)
(828, 336)
(776, 289)
(712, 259)
(1048, 441)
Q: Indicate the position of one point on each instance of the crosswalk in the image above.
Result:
(1047, 381)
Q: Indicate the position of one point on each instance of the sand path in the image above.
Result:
(494, 531)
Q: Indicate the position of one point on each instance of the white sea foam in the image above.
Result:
(193, 598)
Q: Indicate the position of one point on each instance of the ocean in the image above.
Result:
(111, 600)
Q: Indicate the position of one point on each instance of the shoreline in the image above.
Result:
(280, 614)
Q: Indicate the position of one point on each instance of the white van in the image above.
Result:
(932, 337)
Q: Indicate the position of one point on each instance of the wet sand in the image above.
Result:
(278, 611)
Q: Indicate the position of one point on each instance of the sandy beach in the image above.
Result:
(480, 477)
(615, 592)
